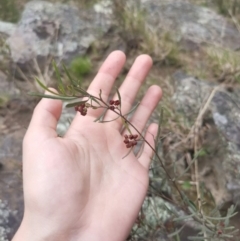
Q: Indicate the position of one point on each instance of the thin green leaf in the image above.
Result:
(76, 103)
(140, 151)
(126, 125)
(197, 238)
(101, 116)
(229, 228)
(45, 87)
(109, 120)
(186, 170)
(59, 79)
(120, 99)
(93, 99)
(234, 231)
(227, 236)
(69, 76)
(229, 213)
(132, 110)
(81, 91)
(57, 97)
(176, 232)
(183, 217)
(221, 218)
(100, 94)
(128, 153)
(189, 166)
(70, 90)
(159, 131)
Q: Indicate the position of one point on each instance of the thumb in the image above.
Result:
(45, 118)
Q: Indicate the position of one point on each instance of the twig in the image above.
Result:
(195, 130)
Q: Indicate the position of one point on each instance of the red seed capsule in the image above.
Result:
(126, 141)
(111, 107)
(135, 137)
(126, 136)
(117, 102)
(129, 145)
(131, 137)
(111, 102)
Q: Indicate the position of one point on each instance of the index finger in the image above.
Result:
(105, 78)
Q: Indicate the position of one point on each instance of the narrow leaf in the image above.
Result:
(176, 232)
(57, 97)
(76, 103)
(221, 218)
(81, 91)
(159, 132)
(45, 87)
(59, 79)
(132, 110)
(183, 217)
(120, 99)
(69, 76)
(94, 99)
(110, 120)
(128, 153)
(101, 116)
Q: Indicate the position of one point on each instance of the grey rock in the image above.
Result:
(5, 215)
(223, 138)
(226, 115)
(190, 93)
(7, 87)
(65, 121)
(53, 29)
(156, 213)
(7, 28)
(191, 22)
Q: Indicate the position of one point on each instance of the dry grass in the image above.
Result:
(131, 22)
(224, 64)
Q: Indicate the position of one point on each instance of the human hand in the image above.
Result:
(79, 187)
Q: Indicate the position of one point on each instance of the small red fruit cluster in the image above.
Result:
(82, 109)
(130, 140)
(114, 104)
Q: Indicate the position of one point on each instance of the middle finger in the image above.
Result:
(129, 89)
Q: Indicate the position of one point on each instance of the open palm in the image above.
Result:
(80, 187)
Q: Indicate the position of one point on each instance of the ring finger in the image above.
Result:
(129, 89)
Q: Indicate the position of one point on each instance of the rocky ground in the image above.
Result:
(196, 62)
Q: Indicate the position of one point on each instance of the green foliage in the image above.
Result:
(201, 153)
(131, 21)
(3, 100)
(226, 6)
(186, 185)
(80, 67)
(225, 63)
(9, 11)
